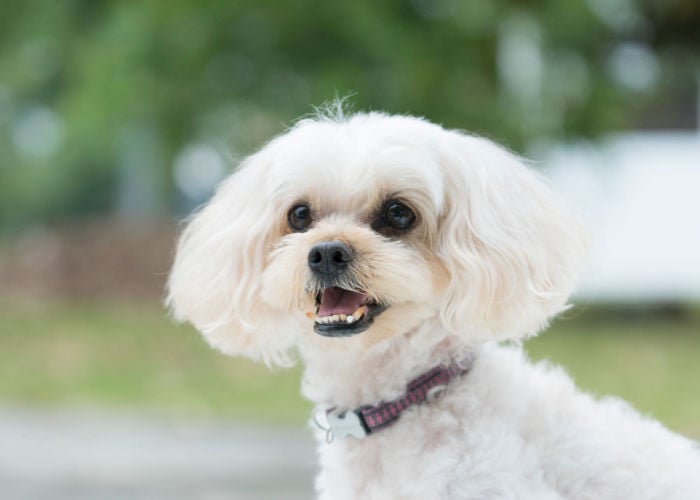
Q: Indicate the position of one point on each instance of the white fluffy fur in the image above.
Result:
(493, 256)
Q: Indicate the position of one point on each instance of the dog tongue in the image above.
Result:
(338, 301)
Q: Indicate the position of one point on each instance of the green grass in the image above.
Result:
(129, 356)
(133, 357)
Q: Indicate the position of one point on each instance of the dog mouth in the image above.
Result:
(342, 313)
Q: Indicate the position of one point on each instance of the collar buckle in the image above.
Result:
(346, 424)
(340, 425)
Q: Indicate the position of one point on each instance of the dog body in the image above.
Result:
(506, 430)
(380, 247)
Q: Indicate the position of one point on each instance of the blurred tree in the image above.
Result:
(99, 98)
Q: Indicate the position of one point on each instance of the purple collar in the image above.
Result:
(366, 420)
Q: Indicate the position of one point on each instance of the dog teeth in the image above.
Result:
(326, 320)
(340, 318)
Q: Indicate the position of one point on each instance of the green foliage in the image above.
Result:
(80, 79)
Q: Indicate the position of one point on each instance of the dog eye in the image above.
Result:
(398, 215)
(299, 218)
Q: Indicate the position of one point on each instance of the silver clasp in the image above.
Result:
(339, 425)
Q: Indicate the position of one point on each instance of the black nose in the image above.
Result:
(329, 258)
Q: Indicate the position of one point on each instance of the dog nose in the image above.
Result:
(329, 258)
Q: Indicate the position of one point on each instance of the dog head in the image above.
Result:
(349, 231)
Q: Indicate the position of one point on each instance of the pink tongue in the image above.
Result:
(338, 301)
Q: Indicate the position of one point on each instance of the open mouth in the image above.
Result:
(341, 313)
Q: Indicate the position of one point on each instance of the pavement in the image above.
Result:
(82, 455)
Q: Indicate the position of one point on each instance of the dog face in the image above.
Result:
(353, 255)
(348, 231)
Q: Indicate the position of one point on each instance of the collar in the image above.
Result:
(366, 420)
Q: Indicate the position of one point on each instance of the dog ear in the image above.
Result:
(511, 248)
(216, 279)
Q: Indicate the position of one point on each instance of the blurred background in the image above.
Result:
(119, 118)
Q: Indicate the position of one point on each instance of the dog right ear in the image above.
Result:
(216, 279)
(512, 249)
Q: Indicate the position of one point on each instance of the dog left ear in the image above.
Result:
(216, 279)
(511, 248)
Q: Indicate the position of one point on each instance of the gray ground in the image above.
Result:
(78, 455)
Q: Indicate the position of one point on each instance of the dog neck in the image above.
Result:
(350, 378)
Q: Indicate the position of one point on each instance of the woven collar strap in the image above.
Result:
(366, 420)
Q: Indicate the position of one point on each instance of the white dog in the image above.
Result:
(393, 255)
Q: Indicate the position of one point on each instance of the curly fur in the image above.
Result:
(493, 256)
